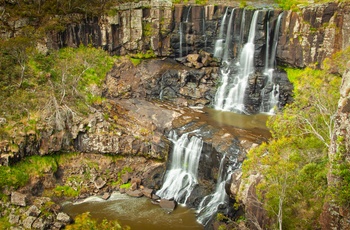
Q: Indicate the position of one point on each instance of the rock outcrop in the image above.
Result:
(313, 34)
(336, 214)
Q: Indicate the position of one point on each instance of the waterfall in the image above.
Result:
(181, 177)
(181, 33)
(275, 41)
(271, 99)
(230, 95)
(218, 48)
(228, 45)
(210, 203)
(267, 48)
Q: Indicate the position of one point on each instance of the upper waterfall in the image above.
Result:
(247, 79)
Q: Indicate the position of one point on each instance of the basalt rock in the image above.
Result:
(161, 80)
(306, 37)
(336, 215)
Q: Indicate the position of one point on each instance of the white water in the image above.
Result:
(273, 96)
(230, 94)
(228, 41)
(181, 177)
(181, 33)
(218, 48)
(210, 203)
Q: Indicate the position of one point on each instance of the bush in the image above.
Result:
(84, 222)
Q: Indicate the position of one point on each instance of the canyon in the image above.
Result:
(165, 100)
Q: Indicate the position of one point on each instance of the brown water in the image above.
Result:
(138, 213)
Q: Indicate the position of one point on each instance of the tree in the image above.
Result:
(293, 163)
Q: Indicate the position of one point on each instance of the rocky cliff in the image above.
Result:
(306, 37)
(335, 212)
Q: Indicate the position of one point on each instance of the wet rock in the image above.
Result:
(106, 196)
(18, 199)
(27, 223)
(147, 192)
(33, 211)
(63, 217)
(99, 183)
(155, 197)
(168, 205)
(135, 193)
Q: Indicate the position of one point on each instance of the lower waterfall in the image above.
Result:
(181, 178)
(210, 204)
(182, 175)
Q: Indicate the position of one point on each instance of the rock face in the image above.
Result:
(306, 37)
(309, 36)
(162, 80)
(131, 28)
(335, 216)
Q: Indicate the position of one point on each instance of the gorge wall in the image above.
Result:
(307, 37)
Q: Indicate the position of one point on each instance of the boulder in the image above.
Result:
(27, 223)
(135, 193)
(39, 224)
(106, 196)
(63, 217)
(168, 205)
(125, 177)
(18, 199)
(33, 211)
(99, 183)
(13, 219)
(147, 192)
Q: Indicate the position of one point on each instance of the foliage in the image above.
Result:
(66, 190)
(84, 222)
(340, 191)
(19, 174)
(293, 4)
(201, 2)
(68, 80)
(126, 186)
(4, 223)
(294, 162)
(337, 63)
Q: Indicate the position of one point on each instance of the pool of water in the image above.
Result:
(138, 213)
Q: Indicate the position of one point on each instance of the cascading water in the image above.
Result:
(181, 34)
(228, 45)
(270, 99)
(209, 205)
(218, 48)
(230, 95)
(181, 177)
(182, 28)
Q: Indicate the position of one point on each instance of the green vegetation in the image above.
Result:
(126, 186)
(294, 162)
(84, 222)
(66, 191)
(47, 87)
(19, 174)
(137, 58)
(293, 4)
